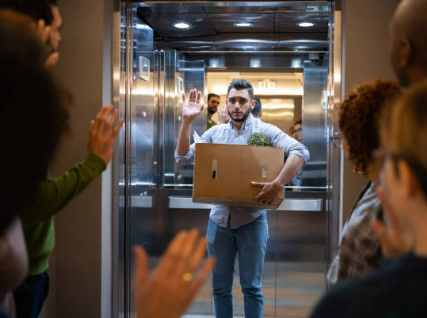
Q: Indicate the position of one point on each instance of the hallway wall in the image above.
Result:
(366, 43)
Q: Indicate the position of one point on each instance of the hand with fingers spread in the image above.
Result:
(223, 116)
(173, 284)
(44, 32)
(102, 134)
(191, 108)
(270, 191)
(395, 238)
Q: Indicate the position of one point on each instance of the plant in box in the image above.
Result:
(259, 139)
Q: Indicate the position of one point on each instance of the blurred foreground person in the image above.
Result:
(397, 288)
(30, 133)
(55, 193)
(408, 46)
(32, 125)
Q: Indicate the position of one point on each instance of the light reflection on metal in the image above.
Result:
(306, 24)
(243, 24)
(296, 63)
(255, 62)
(182, 25)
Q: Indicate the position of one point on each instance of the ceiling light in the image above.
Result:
(182, 25)
(243, 24)
(305, 24)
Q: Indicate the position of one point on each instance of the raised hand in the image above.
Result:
(191, 108)
(395, 238)
(44, 32)
(102, 134)
(173, 284)
(223, 116)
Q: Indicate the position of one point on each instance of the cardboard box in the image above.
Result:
(223, 173)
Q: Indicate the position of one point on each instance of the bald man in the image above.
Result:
(408, 47)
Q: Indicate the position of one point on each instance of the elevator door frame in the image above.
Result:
(121, 295)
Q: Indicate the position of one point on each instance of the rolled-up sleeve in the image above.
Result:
(189, 157)
(289, 144)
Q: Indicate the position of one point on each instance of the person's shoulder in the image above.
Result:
(343, 300)
(267, 126)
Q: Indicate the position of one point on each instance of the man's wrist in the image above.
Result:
(187, 122)
(278, 183)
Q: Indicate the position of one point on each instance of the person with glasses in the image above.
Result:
(359, 250)
(297, 130)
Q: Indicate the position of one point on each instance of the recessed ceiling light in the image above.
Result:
(182, 25)
(243, 24)
(305, 24)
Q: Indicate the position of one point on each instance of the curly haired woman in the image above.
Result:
(359, 250)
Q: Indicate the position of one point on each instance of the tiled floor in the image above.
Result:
(290, 291)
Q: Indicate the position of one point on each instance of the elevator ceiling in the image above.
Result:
(274, 26)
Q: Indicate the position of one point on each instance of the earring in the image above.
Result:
(358, 170)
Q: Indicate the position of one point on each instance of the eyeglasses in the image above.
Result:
(297, 130)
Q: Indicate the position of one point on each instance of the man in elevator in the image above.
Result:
(213, 104)
(239, 230)
(408, 47)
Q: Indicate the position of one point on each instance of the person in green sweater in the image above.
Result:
(53, 195)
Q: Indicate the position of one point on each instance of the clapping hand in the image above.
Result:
(192, 108)
(395, 238)
(102, 133)
(173, 284)
(44, 32)
(223, 116)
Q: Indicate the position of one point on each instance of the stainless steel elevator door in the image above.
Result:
(158, 197)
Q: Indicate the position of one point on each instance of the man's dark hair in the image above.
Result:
(33, 118)
(240, 84)
(212, 95)
(257, 108)
(35, 9)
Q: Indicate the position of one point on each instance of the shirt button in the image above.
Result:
(237, 135)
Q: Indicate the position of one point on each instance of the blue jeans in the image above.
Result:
(30, 295)
(249, 242)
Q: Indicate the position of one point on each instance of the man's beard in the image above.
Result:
(240, 120)
(212, 110)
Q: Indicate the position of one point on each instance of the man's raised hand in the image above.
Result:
(191, 108)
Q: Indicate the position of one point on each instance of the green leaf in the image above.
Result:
(259, 139)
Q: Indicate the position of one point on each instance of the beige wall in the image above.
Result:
(76, 266)
(366, 42)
